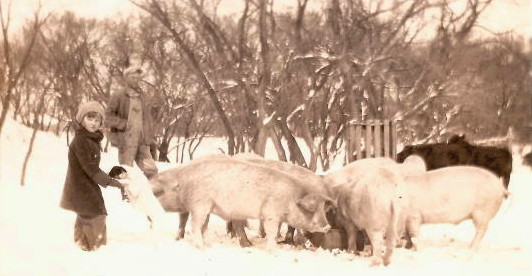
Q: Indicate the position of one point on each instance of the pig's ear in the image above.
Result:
(309, 202)
(332, 201)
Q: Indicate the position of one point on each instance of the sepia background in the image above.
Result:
(288, 80)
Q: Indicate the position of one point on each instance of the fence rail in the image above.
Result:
(368, 139)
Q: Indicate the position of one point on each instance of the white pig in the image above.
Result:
(371, 197)
(238, 190)
(452, 195)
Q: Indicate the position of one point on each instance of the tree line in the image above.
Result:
(261, 73)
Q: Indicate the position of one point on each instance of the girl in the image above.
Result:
(81, 192)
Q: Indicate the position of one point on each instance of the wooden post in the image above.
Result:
(367, 143)
(387, 140)
(358, 130)
(393, 144)
(377, 145)
(350, 144)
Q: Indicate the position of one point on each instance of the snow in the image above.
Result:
(36, 236)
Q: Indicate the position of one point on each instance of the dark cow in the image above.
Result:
(457, 151)
(437, 155)
(495, 159)
(527, 159)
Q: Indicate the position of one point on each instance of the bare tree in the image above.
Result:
(14, 65)
(159, 9)
(66, 45)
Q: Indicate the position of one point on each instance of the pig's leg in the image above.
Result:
(481, 226)
(199, 220)
(408, 239)
(343, 236)
(238, 228)
(376, 238)
(351, 232)
(204, 226)
(279, 231)
(230, 229)
(391, 237)
(204, 229)
(262, 233)
(289, 237)
(183, 218)
(361, 240)
(412, 230)
(270, 227)
(400, 231)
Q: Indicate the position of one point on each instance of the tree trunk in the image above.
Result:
(260, 142)
(5, 108)
(296, 156)
(276, 139)
(163, 151)
(264, 81)
(28, 153)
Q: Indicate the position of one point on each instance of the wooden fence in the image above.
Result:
(369, 139)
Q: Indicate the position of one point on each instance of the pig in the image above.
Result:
(413, 164)
(371, 196)
(352, 171)
(236, 190)
(165, 187)
(452, 195)
(234, 228)
(306, 176)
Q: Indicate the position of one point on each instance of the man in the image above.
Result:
(129, 117)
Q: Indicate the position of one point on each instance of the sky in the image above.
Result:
(36, 236)
(501, 16)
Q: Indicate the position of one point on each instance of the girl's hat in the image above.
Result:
(87, 107)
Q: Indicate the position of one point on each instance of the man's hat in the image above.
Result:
(133, 69)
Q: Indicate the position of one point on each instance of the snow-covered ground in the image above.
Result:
(36, 235)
